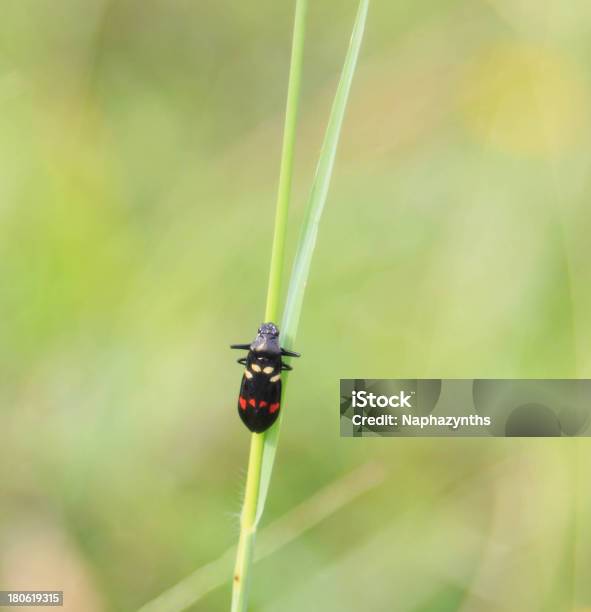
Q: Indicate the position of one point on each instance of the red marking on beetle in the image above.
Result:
(252, 402)
(263, 403)
(242, 403)
(273, 408)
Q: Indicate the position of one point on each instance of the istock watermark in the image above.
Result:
(465, 407)
(362, 399)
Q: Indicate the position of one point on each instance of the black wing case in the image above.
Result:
(259, 401)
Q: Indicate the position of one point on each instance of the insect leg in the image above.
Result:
(284, 366)
(242, 361)
(242, 347)
(287, 353)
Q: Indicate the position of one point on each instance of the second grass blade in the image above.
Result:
(307, 241)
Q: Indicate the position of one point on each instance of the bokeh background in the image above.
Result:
(138, 167)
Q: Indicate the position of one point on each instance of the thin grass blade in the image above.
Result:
(307, 241)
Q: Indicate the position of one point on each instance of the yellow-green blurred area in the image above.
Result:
(139, 147)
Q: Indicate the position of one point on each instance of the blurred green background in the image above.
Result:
(138, 167)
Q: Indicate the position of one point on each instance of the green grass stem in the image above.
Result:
(248, 522)
(263, 446)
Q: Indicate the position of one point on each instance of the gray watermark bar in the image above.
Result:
(31, 598)
(465, 407)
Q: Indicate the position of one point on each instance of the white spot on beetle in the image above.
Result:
(268, 370)
(275, 378)
(255, 367)
(247, 374)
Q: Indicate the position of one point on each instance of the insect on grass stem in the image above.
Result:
(244, 554)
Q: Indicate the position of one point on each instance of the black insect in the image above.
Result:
(260, 392)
